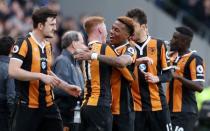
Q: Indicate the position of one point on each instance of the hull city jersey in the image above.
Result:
(122, 101)
(149, 96)
(34, 58)
(179, 97)
(98, 76)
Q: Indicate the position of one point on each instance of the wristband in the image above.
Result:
(94, 56)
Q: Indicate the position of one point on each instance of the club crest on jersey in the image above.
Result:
(15, 49)
(142, 67)
(199, 69)
(151, 50)
(43, 65)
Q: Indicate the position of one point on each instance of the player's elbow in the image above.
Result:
(122, 62)
(200, 90)
(200, 87)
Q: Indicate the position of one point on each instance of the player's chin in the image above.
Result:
(50, 35)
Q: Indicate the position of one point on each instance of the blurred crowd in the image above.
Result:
(199, 9)
(15, 19)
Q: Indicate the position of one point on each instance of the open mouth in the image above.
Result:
(111, 38)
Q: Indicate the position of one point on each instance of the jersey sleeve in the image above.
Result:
(197, 69)
(131, 51)
(20, 49)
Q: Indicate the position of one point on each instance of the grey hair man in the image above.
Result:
(68, 69)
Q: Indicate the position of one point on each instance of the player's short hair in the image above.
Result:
(128, 22)
(6, 43)
(91, 22)
(138, 14)
(41, 14)
(185, 31)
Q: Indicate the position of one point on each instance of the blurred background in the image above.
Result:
(163, 17)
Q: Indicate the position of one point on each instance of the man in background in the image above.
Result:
(68, 69)
(7, 85)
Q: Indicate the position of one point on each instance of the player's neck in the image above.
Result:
(184, 52)
(121, 43)
(94, 38)
(143, 39)
(38, 36)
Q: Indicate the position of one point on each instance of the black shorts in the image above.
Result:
(182, 121)
(96, 118)
(123, 122)
(153, 121)
(37, 119)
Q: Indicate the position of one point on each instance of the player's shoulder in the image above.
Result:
(160, 42)
(195, 55)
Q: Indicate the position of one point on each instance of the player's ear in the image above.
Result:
(99, 29)
(40, 26)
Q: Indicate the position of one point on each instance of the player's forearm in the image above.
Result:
(115, 61)
(23, 75)
(193, 85)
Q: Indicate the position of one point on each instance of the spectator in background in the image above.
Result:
(81, 27)
(53, 5)
(7, 86)
(68, 69)
(193, 7)
(206, 13)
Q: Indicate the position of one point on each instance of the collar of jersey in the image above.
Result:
(192, 51)
(94, 41)
(141, 48)
(120, 47)
(38, 43)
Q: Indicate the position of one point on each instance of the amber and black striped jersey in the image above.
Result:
(122, 101)
(34, 58)
(98, 76)
(179, 97)
(148, 96)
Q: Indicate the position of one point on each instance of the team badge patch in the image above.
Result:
(15, 49)
(44, 65)
(199, 69)
(151, 50)
(142, 67)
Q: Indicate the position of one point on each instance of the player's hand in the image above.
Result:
(70, 89)
(151, 78)
(73, 90)
(83, 55)
(81, 50)
(48, 79)
(175, 75)
(144, 60)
